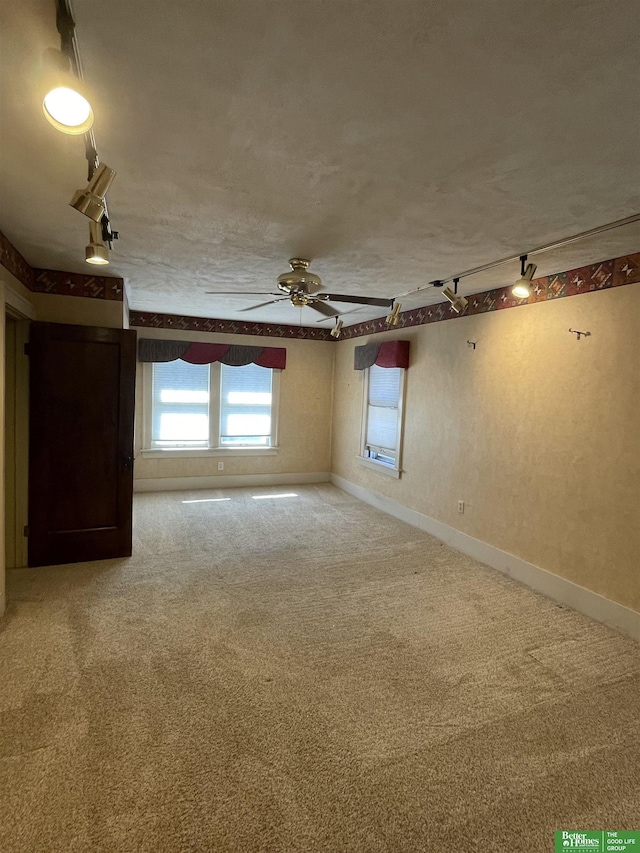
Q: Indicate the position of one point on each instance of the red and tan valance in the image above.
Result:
(388, 354)
(156, 350)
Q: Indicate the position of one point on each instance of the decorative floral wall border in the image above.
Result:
(59, 282)
(78, 284)
(600, 276)
(150, 320)
(11, 259)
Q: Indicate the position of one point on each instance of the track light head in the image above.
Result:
(90, 201)
(97, 251)
(65, 104)
(337, 329)
(522, 287)
(458, 303)
(394, 318)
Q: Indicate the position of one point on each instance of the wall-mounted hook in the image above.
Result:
(471, 344)
(580, 334)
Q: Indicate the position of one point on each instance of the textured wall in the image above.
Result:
(79, 311)
(304, 424)
(538, 433)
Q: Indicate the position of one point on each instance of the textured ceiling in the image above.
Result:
(391, 142)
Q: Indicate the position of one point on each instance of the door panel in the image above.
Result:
(81, 443)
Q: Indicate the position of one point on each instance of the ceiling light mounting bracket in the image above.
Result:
(523, 264)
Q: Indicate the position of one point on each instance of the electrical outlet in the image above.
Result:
(460, 506)
(220, 466)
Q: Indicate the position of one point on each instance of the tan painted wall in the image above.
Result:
(538, 433)
(2, 451)
(304, 426)
(78, 310)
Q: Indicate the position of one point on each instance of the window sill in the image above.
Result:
(173, 452)
(380, 467)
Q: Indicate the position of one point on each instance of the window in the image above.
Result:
(209, 406)
(382, 417)
(245, 406)
(180, 411)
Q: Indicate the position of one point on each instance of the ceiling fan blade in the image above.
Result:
(362, 300)
(262, 304)
(327, 310)
(244, 293)
(344, 313)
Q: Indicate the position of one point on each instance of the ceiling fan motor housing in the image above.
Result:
(299, 279)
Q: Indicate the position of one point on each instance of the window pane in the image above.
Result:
(180, 404)
(245, 405)
(382, 409)
(382, 427)
(186, 427)
(384, 385)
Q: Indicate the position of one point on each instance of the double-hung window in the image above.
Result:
(210, 406)
(382, 417)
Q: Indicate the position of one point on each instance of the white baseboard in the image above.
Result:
(565, 592)
(185, 484)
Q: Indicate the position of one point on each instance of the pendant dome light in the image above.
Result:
(65, 104)
(522, 287)
(97, 252)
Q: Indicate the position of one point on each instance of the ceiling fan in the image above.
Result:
(301, 288)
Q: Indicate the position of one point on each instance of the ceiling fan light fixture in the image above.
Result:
(458, 303)
(299, 278)
(65, 104)
(522, 288)
(97, 252)
(394, 318)
(90, 201)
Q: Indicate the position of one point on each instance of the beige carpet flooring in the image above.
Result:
(304, 674)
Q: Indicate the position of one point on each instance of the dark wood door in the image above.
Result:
(82, 390)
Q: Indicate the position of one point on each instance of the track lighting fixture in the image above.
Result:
(65, 104)
(97, 251)
(458, 303)
(528, 272)
(393, 318)
(337, 329)
(90, 201)
(522, 287)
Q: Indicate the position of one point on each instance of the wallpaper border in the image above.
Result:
(151, 320)
(599, 276)
(58, 282)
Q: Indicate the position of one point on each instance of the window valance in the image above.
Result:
(388, 354)
(153, 349)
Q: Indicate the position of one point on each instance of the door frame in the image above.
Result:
(11, 302)
(17, 423)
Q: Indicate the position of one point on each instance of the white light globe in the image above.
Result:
(67, 110)
(521, 289)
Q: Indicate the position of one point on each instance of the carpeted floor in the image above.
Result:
(304, 674)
